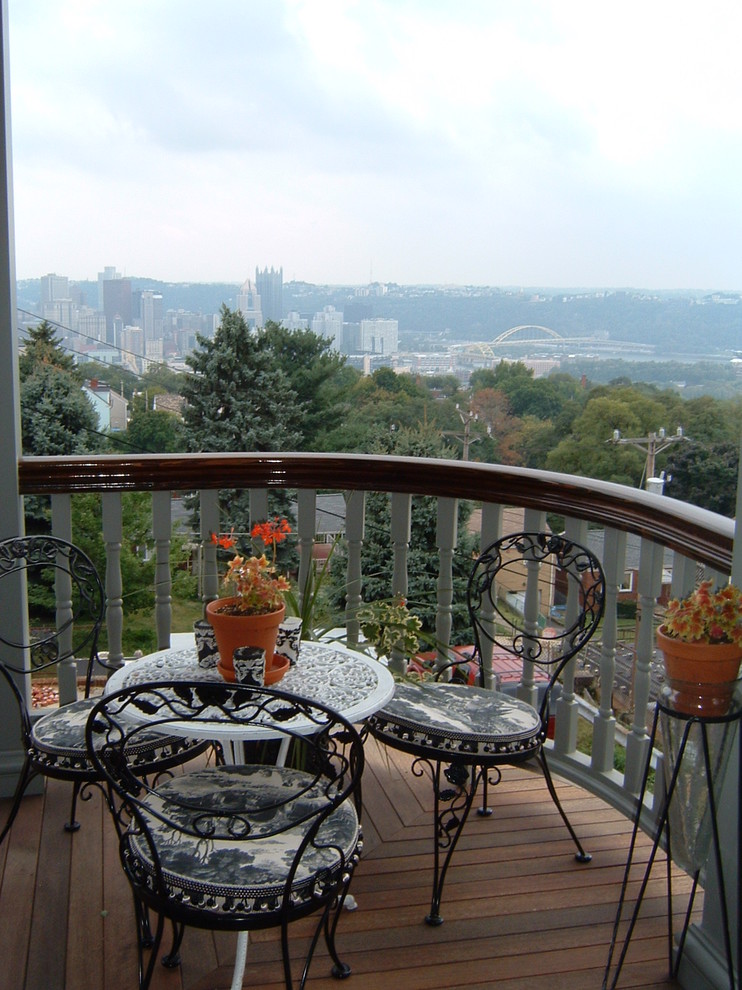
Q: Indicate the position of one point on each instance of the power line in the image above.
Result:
(85, 336)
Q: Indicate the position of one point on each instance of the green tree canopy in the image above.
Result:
(705, 475)
(56, 416)
(155, 432)
(377, 406)
(237, 398)
(313, 370)
(589, 449)
(43, 347)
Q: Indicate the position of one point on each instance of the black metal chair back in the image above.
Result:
(235, 847)
(66, 609)
(537, 596)
(66, 605)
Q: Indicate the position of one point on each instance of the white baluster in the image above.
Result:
(67, 669)
(490, 531)
(566, 707)
(209, 515)
(446, 539)
(604, 726)
(649, 585)
(355, 521)
(401, 524)
(307, 528)
(112, 537)
(161, 532)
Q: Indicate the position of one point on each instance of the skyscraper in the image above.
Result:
(329, 323)
(116, 305)
(108, 273)
(269, 285)
(249, 304)
(150, 314)
(379, 336)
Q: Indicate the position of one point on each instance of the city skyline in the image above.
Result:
(538, 144)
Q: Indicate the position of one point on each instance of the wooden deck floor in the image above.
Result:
(519, 911)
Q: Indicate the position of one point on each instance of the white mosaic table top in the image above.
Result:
(352, 683)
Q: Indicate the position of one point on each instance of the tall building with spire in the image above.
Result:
(269, 285)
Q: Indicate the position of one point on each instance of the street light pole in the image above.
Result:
(652, 445)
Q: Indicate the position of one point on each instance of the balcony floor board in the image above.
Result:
(518, 909)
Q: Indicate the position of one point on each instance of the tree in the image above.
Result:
(238, 399)
(376, 406)
(313, 370)
(705, 475)
(56, 416)
(155, 432)
(42, 347)
(634, 412)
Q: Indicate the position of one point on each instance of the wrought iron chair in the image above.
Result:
(239, 847)
(54, 743)
(462, 735)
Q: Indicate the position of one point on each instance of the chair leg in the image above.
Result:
(142, 922)
(453, 797)
(26, 775)
(72, 825)
(340, 970)
(581, 856)
(171, 960)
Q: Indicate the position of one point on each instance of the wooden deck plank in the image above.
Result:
(518, 909)
(86, 899)
(17, 886)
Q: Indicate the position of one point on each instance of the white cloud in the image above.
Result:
(439, 140)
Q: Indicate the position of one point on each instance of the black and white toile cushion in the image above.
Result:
(227, 875)
(58, 741)
(457, 720)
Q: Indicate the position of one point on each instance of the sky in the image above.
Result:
(557, 143)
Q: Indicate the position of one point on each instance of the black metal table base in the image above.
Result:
(662, 831)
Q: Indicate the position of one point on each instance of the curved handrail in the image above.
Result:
(697, 533)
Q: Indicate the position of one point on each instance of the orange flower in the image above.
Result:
(271, 532)
(226, 541)
(253, 580)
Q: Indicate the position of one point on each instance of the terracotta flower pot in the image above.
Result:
(238, 629)
(701, 676)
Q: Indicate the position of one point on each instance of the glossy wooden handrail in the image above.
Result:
(697, 533)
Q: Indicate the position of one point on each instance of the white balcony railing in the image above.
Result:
(694, 538)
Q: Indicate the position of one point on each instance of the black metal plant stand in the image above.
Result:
(705, 744)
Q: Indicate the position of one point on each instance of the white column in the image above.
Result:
(11, 505)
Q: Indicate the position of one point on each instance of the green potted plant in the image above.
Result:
(701, 642)
(251, 615)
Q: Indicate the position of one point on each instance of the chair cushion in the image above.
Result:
(58, 742)
(223, 875)
(457, 719)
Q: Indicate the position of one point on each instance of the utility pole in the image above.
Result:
(465, 437)
(651, 445)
